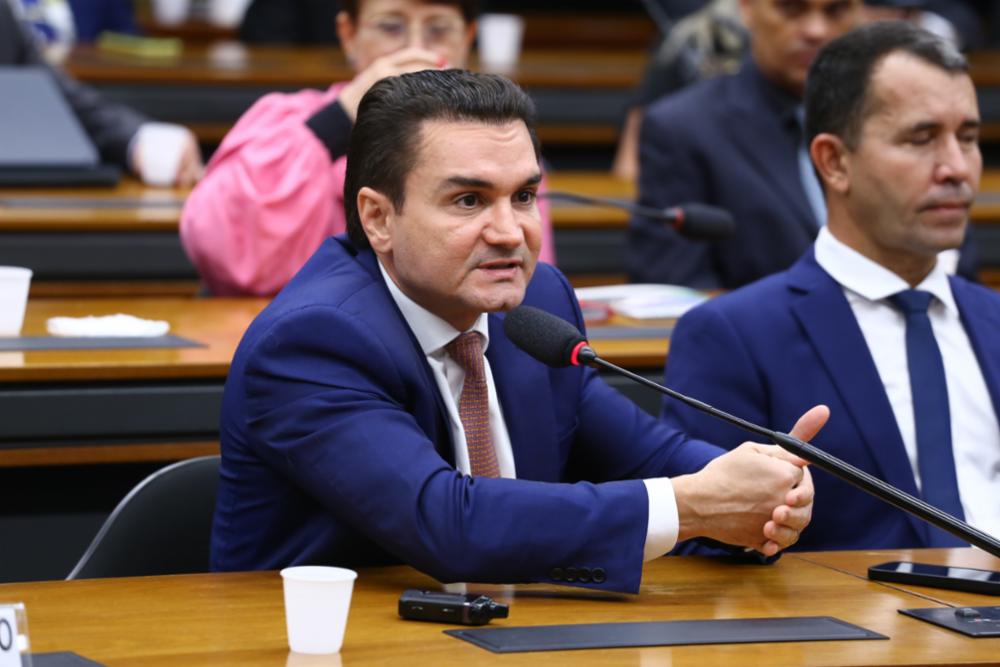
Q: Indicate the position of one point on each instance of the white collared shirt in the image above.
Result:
(433, 334)
(975, 432)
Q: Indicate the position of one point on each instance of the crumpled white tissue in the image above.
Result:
(120, 325)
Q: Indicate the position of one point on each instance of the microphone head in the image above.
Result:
(549, 339)
(701, 221)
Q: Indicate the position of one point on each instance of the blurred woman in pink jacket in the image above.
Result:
(273, 191)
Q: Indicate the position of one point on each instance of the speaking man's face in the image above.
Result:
(915, 171)
(786, 35)
(467, 236)
(386, 26)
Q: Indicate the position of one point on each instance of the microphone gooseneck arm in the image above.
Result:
(833, 465)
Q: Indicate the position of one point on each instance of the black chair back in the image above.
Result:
(163, 525)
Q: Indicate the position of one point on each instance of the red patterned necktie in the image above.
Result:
(473, 405)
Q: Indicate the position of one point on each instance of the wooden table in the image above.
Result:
(120, 405)
(96, 421)
(621, 30)
(123, 240)
(97, 241)
(856, 564)
(147, 404)
(581, 94)
(237, 619)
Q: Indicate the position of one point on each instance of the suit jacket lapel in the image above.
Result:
(767, 144)
(392, 327)
(819, 305)
(521, 383)
(981, 322)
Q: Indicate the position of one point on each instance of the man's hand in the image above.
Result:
(190, 170)
(399, 62)
(757, 496)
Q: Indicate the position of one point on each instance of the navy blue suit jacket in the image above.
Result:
(336, 447)
(731, 142)
(771, 350)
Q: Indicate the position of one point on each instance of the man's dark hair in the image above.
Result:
(837, 98)
(469, 8)
(385, 141)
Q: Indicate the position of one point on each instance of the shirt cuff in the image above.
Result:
(661, 532)
(332, 127)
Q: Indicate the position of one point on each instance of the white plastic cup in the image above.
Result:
(14, 283)
(171, 12)
(160, 146)
(317, 600)
(227, 13)
(500, 41)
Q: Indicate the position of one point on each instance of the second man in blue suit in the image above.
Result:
(867, 321)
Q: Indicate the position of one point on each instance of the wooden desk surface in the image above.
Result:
(217, 323)
(128, 206)
(856, 563)
(605, 30)
(232, 64)
(237, 619)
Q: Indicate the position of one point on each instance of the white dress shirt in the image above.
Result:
(975, 433)
(434, 334)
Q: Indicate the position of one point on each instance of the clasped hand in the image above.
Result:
(756, 496)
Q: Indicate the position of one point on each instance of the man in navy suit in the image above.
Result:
(735, 141)
(363, 424)
(914, 392)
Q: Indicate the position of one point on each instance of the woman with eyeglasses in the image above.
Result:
(273, 191)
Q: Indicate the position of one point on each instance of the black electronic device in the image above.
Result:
(938, 576)
(457, 608)
(42, 141)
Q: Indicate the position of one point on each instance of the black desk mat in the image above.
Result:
(983, 622)
(62, 659)
(663, 633)
(36, 343)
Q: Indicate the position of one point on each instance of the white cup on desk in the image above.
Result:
(160, 147)
(171, 12)
(14, 283)
(500, 41)
(317, 600)
(227, 13)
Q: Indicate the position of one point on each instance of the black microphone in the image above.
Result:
(555, 342)
(695, 221)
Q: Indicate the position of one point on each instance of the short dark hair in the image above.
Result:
(469, 8)
(837, 99)
(385, 141)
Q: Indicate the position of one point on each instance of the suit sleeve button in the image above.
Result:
(599, 575)
(571, 574)
(584, 575)
(556, 574)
